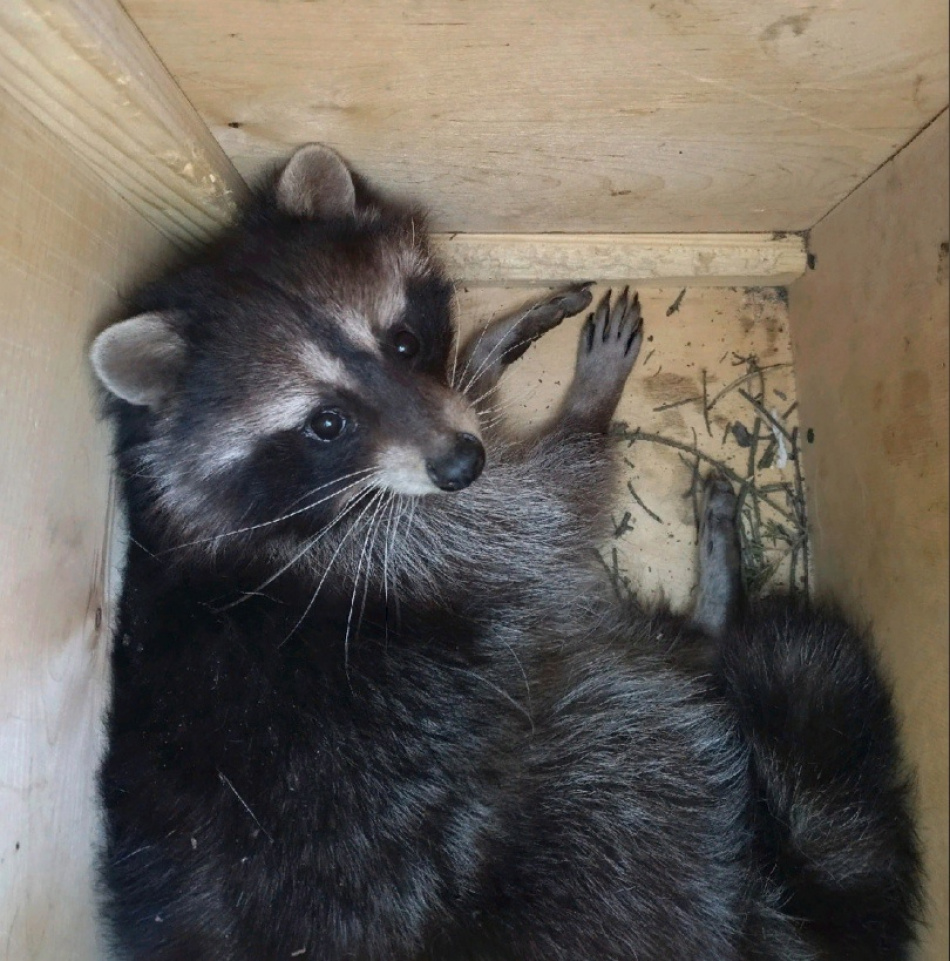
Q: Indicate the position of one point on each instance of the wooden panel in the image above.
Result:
(554, 115)
(68, 249)
(85, 71)
(701, 260)
(713, 387)
(870, 332)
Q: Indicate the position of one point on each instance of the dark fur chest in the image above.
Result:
(291, 760)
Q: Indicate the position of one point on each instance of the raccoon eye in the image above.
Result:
(327, 424)
(406, 343)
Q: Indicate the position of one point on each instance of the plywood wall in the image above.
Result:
(559, 115)
(870, 333)
(69, 248)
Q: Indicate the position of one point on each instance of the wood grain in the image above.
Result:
(557, 116)
(69, 248)
(85, 71)
(870, 334)
(697, 260)
(83, 68)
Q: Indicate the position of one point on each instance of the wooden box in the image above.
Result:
(771, 174)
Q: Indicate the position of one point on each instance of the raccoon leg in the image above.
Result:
(609, 344)
(572, 447)
(487, 353)
(719, 598)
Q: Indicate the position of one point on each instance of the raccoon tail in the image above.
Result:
(834, 800)
(833, 809)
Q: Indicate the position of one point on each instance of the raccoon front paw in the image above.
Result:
(543, 316)
(490, 351)
(609, 345)
(612, 335)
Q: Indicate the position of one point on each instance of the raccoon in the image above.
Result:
(374, 696)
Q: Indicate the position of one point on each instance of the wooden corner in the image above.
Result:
(86, 72)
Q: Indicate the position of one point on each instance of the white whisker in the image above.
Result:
(402, 504)
(326, 571)
(308, 546)
(504, 346)
(393, 502)
(473, 349)
(337, 480)
(491, 390)
(457, 336)
(473, 379)
(521, 397)
(524, 673)
(487, 424)
(518, 707)
(225, 780)
(367, 552)
(283, 517)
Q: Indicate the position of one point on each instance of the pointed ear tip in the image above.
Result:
(135, 359)
(117, 333)
(105, 355)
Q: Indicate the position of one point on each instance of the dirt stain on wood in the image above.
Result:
(796, 25)
(908, 430)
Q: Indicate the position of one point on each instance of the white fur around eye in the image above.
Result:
(325, 370)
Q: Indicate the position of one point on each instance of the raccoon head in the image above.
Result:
(300, 363)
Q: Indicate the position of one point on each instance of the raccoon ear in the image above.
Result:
(316, 183)
(138, 360)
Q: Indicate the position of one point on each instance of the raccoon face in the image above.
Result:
(303, 363)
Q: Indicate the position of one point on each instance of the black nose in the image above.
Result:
(460, 466)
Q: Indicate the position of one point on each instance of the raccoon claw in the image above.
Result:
(612, 335)
(623, 322)
(538, 319)
(609, 345)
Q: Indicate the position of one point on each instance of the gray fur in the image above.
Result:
(140, 359)
(316, 183)
(719, 594)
